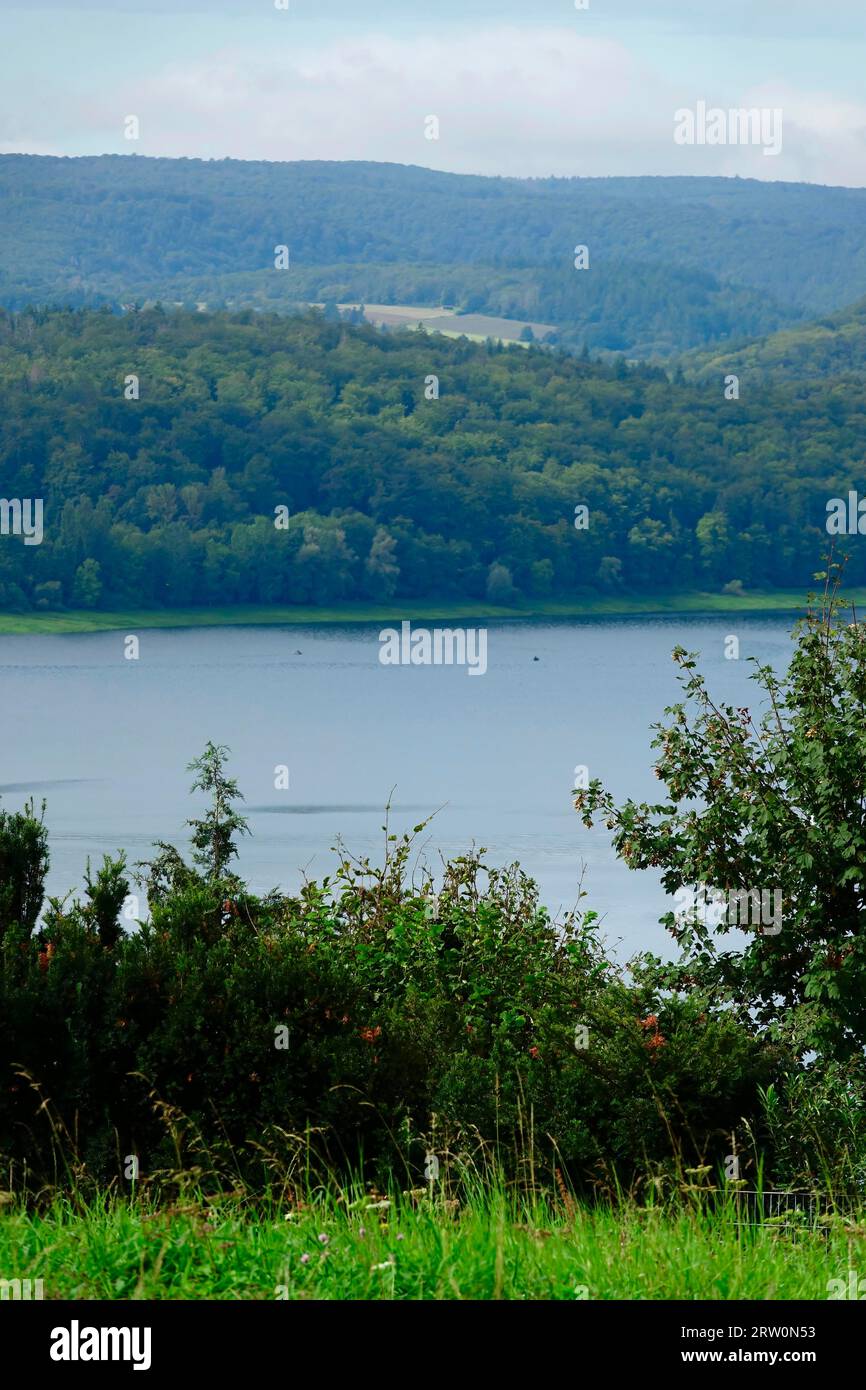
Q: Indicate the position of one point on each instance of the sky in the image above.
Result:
(518, 87)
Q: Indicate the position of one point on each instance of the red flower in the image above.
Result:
(371, 1034)
(655, 1039)
(533, 1052)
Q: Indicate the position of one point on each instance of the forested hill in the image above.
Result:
(834, 346)
(674, 263)
(170, 499)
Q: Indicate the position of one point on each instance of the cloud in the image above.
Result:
(513, 100)
(824, 138)
(509, 100)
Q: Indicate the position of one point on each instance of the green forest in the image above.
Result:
(675, 263)
(834, 346)
(293, 460)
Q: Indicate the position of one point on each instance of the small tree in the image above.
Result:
(775, 805)
(106, 894)
(87, 585)
(213, 836)
(500, 585)
(23, 866)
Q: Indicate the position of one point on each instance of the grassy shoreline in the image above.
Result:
(787, 601)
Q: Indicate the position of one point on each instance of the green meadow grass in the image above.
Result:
(632, 605)
(493, 1248)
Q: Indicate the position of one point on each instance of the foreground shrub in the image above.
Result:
(760, 809)
(370, 1019)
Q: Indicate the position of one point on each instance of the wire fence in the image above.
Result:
(785, 1209)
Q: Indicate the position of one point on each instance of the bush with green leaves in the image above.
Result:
(363, 1023)
(769, 802)
(775, 800)
(24, 863)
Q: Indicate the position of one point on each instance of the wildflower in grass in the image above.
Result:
(362, 1231)
(323, 1238)
(305, 1259)
(400, 1235)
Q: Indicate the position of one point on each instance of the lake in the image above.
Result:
(106, 741)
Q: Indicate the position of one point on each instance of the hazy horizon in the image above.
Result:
(430, 169)
(562, 92)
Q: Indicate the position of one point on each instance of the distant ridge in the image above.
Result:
(675, 263)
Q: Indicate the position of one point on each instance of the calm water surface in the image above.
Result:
(106, 742)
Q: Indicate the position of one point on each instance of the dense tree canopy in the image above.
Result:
(675, 263)
(830, 347)
(272, 459)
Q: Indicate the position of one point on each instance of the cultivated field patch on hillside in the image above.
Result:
(448, 321)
